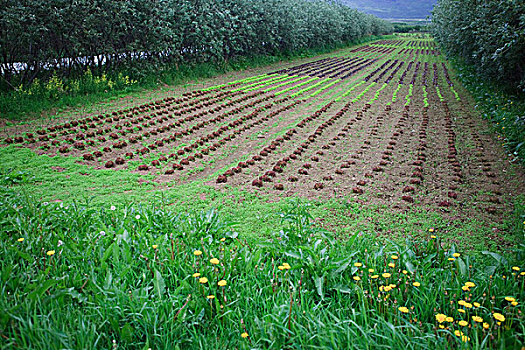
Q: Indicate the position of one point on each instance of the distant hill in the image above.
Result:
(394, 9)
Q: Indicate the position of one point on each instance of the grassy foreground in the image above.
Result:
(76, 276)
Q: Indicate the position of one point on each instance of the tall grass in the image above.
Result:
(83, 276)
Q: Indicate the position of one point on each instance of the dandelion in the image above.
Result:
(358, 264)
(462, 302)
(113, 208)
(463, 323)
(404, 272)
(280, 267)
(197, 253)
(499, 317)
(416, 284)
(223, 239)
(21, 239)
(196, 274)
(510, 299)
(394, 257)
(211, 297)
(203, 280)
(486, 325)
(244, 335)
(477, 319)
(433, 237)
(441, 318)
(516, 268)
(458, 333)
(431, 229)
(451, 259)
(468, 305)
(374, 277)
(470, 284)
(356, 278)
(476, 304)
(465, 289)
(403, 309)
(392, 265)
(286, 266)
(387, 288)
(386, 275)
(371, 270)
(465, 339)
(449, 319)
(456, 255)
(222, 283)
(514, 303)
(461, 311)
(50, 253)
(154, 246)
(522, 273)
(214, 261)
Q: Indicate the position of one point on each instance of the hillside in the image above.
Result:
(394, 9)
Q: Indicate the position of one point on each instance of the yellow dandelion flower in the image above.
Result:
(214, 261)
(461, 311)
(486, 325)
(441, 326)
(392, 265)
(211, 297)
(449, 319)
(470, 284)
(522, 273)
(465, 339)
(515, 268)
(223, 239)
(222, 283)
(386, 275)
(286, 265)
(280, 267)
(403, 309)
(371, 270)
(196, 274)
(392, 286)
(431, 229)
(514, 303)
(416, 284)
(451, 259)
(21, 239)
(441, 318)
(358, 264)
(465, 289)
(356, 278)
(477, 319)
(511, 299)
(476, 304)
(244, 335)
(387, 288)
(499, 317)
(394, 257)
(404, 272)
(203, 280)
(468, 305)
(458, 333)
(50, 252)
(433, 237)
(462, 302)
(197, 253)
(154, 246)
(456, 255)
(381, 288)
(374, 277)
(463, 323)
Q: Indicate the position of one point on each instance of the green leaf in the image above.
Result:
(319, 282)
(500, 259)
(159, 284)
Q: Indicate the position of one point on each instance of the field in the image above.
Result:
(373, 156)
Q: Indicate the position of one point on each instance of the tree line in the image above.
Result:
(71, 36)
(489, 34)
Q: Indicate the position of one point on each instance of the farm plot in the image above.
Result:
(383, 122)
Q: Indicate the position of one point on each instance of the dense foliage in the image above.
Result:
(71, 36)
(488, 33)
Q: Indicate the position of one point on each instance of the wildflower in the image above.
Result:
(431, 229)
(113, 207)
(137, 217)
(433, 237)
(403, 309)
(210, 297)
(515, 268)
(462, 302)
(463, 323)
(21, 239)
(387, 288)
(392, 286)
(522, 273)
(499, 317)
(451, 259)
(196, 274)
(477, 304)
(223, 239)
(470, 284)
(477, 319)
(392, 265)
(514, 303)
(286, 266)
(456, 255)
(154, 246)
(197, 253)
(510, 299)
(461, 311)
(358, 264)
(374, 277)
(356, 278)
(465, 289)
(394, 257)
(386, 275)
(468, 305)
(214, 261)
(203, 280)
(465, 339)
(416, 284)
(486, 325)
(371, 270)
(244, 335)
(449, 319)
(280, 267)
(458, 333)
(441, 318)
(404, 272)
(221, 283)
(50, 252)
